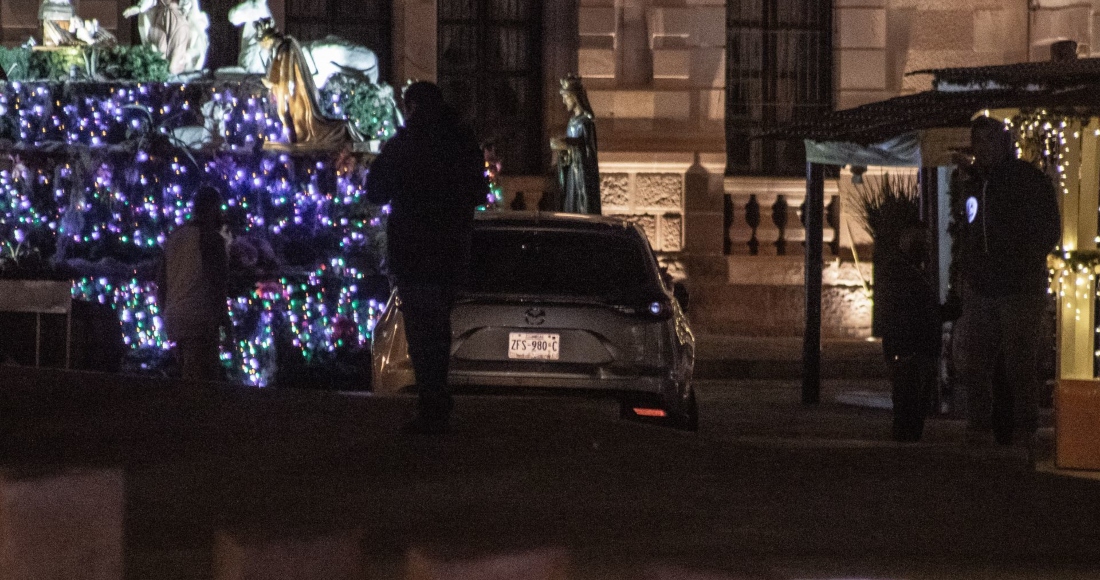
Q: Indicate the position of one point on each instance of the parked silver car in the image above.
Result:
(561, 303)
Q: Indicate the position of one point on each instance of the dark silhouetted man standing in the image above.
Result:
(1008, 225)
(432, 173)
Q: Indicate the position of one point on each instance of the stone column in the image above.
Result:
(634, 57)
(414, 41)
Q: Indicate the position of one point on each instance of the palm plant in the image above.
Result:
(887, 208)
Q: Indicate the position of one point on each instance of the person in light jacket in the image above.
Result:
(191, 288)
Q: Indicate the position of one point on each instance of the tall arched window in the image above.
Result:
(778, 69)
(490, 68)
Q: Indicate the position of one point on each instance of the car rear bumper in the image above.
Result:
(672, 394)
(654, 388)
(599, 382)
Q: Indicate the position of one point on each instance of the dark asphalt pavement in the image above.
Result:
(767, 489)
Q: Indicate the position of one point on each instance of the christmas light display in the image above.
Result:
(95, 179)
(370, 107)
(1045, 138)
(495, 198)
(39, 114)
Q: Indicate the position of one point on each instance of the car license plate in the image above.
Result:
(534, 346)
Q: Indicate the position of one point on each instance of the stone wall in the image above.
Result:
(649, 192)
(877, 41)
(763, 294)
(768, 310)
(655, 72)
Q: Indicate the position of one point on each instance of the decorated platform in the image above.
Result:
(94, 175)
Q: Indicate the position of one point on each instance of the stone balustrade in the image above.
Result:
(763, 217)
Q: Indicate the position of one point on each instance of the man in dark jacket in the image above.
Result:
(911, 326)
(1008, 226)
(432, 173)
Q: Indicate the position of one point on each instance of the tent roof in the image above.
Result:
(883, 120)
(1046, 74)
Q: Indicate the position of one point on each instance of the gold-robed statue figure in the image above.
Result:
(295, 97)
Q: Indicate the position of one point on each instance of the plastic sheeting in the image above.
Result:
(928, 148)
(901, 151)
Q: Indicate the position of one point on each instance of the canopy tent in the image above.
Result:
(925, 148)
(891, 133)
(901, 151)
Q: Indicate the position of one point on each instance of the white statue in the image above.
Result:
(200, 39)
(325, 57)
(210, 134)
(178, 31)
(246, 15)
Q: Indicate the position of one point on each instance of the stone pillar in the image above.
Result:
(414, 41)
(1055, 22)
(634, 57)
(61, 525)
(860, 49)
(336, 556)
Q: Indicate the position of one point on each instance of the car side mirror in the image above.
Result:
(680, 292)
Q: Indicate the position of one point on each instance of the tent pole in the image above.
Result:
(811, 342)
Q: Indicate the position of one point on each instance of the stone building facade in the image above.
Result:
(657, 73)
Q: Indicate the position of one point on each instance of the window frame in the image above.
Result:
(493, 30)
(779, 68)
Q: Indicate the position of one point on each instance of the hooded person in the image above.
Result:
(1008, 225)
(432, 174)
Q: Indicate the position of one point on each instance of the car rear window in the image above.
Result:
(559, 263)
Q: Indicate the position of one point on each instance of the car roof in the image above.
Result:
(554, 220)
